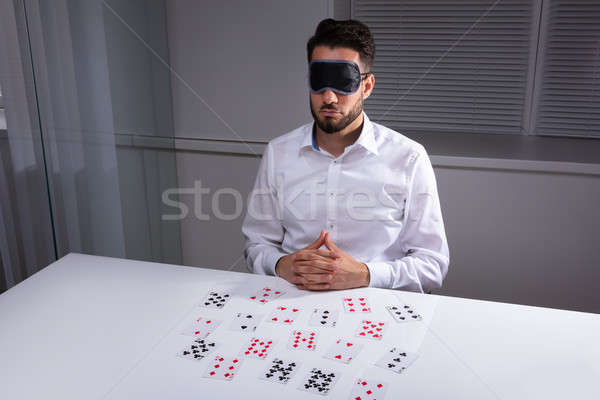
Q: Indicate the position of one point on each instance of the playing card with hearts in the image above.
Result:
(325, 317)
(258, 347)
(319, 381)
(199, 349)
(368, 389)
(396, 360)
(284, 315)
(215, 299)
(303, 340)
(266, 294)
(201, 327)
(280, 371)
(371, 329)
(356, 304)
(403, 313)
(223, 367)
(245, 322)
(343, 350)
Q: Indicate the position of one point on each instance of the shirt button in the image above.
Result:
(331, 226)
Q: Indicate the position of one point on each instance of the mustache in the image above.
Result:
(329, 108)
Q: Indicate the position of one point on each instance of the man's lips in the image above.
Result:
(329, 112)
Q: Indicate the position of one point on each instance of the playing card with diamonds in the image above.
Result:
(284, 315)
(403, 313)
(266, 294)
(396, 360)
(258, 347)
(199, 349)
(223, 367)
(319, 381)
(303, 340)
(215, 299)
(280, 371)
(368, 389)
(325, 317)
(245, 322)
(201, 327)
(343, 350)
(371, 329)
(356, 305)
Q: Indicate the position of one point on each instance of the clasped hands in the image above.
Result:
(313, 268)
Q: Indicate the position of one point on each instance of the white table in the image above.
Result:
(90, 327)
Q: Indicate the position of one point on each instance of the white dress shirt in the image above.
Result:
(378, 200)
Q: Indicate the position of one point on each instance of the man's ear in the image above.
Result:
(368, 85)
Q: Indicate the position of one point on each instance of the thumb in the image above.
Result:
(317, 243)
(329, 244)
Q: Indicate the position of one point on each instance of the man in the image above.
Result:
(344, 202)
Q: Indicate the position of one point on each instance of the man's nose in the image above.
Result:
(329, 96)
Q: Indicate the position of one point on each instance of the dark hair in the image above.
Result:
(349, 33)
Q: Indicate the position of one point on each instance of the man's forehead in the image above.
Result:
(335, 53)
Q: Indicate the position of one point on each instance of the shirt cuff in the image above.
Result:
(270, 261)
(380, 274)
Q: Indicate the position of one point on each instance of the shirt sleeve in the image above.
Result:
(262, 226)
(422, 240)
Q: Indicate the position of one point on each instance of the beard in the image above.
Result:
(328, 125)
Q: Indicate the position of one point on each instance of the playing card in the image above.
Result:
(266, 294)
(303, 340)
(201, 327)
(343, 350)
(356, 304)
(258, 347)
(371, 329)
(223, 367)
(403, 313)
(284, 315)
(324, 317)
(319, 381)
(368, 389)
(215, 299)
(199, 349)
(280, 371)
(245, 322)
(396, 360)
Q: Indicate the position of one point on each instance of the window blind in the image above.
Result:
(444, 66)
(569, 103)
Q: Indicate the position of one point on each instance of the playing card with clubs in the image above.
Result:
(215, 299)
(199, 349)
(343, 350)
(223, 367)
(325, 317)
(368, 389)
(258, 347)
(396, 360)
(284, 315)
(266, 294)
(280, 371)
(371, 329)
(245, 322)
(201, 327)
(356, 305)
(303, 340)
(319, 381)
(403, 313)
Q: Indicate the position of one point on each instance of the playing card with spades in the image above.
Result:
(368, 389)
(245, 322)
(199, 349)
(325, 317)
(403, 313)
(396, 360)
(280, 371)
(343, 351)
(319, 381)
(216, 299)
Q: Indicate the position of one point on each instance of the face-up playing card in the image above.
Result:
(199, 349)
(280, 371)
(215, 299)
(223, 367)
(258, 347)
(343, 350)
(368, 389)
(201, 327)
(396, 360)
(319, 381)
(266, 294)
(403, 313)
(245, 322)
(284, 315)
(324, 317)
(303, 340)
(356, 305)
(371, 329)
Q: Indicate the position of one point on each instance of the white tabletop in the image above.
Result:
(90, 327)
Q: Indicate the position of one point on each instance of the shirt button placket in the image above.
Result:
(332, 197)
